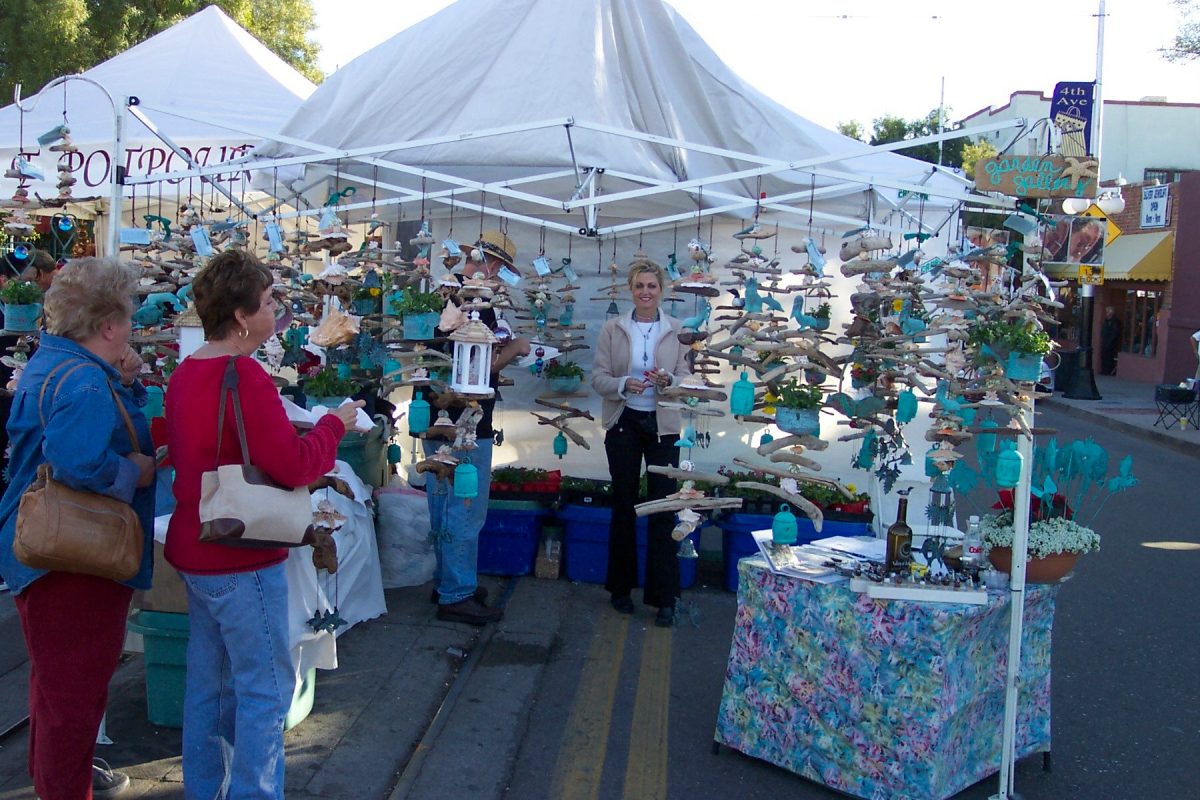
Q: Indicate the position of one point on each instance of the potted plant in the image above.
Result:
(1055, 544)
(420, 311)
(863, 375)
(365, 300)
(1018, 345)
(22, 305)
(565, 377)
(798, 406)
(821, 315)
(326, 388)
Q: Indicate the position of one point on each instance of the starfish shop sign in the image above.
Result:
(1038, 176)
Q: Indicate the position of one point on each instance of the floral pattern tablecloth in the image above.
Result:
(877, 698)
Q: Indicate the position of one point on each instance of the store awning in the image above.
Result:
(1132, 257)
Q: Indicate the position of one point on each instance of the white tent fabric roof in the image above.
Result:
(205, 67)
(632, 65)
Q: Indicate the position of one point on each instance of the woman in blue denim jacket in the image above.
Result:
(74, 625)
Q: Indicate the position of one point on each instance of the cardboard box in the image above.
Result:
(167, 593)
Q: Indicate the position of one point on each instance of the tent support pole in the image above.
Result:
(116, 172)
(132, 105)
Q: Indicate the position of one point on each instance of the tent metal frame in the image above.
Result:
(587, 196)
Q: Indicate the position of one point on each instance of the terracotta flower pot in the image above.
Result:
(1050, 569)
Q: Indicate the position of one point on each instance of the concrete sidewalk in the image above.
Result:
(1127, 406)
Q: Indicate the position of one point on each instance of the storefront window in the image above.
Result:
(1141, 316)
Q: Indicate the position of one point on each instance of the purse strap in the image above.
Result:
(133, 438)
(229, 385)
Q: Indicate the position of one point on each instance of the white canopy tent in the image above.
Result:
(211, 87)
(571, 116)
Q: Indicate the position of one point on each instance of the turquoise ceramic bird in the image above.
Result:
(694, 323)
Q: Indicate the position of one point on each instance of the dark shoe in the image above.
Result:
(622, 604)
(481, 594)
(665, 617)
(470, 611)
(106, 782)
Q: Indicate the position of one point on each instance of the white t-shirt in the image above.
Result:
(643, 338)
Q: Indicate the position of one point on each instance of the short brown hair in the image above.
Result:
(87, 293)
(232, 280)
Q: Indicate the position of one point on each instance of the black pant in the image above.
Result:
(633, 438)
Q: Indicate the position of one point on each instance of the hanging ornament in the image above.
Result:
(1008, 466)
(765, 439)
(471, 368)
(466, 480)
(560, 445)
(906, 407)
(741, 397)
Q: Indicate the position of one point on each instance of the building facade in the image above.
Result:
(1152, 268)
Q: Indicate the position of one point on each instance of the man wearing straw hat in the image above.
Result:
(456, 524)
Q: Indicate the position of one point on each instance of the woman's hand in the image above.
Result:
(146, 465)
(659, 377)
(129, 365)
(634, 386)
(347, 413)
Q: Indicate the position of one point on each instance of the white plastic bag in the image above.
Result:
(405, 552)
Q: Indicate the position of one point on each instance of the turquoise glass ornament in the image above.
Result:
(784, 529)
(741, 397)
(466, 480)
(418, 416)
(560, 445)
(1008, 467)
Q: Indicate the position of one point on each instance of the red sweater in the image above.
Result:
(275, 447)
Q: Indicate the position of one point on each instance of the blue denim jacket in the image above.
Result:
(85, 441)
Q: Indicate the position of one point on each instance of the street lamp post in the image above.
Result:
(1083, 386)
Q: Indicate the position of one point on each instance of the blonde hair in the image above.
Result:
(88, 292)
(645, 265)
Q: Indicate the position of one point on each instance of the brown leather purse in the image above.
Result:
(68, 530)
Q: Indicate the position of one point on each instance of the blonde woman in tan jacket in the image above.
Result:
(637, 355)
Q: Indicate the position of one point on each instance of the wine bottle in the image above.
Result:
(899, 539)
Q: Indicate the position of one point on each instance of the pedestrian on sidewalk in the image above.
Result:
(1110, 341)
(64, 413)
(637, 355)
(455, 524)
(240, 677)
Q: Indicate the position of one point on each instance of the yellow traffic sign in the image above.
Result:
(1091, 274)
(1111, 230)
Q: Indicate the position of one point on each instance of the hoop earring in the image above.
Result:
(243, 333)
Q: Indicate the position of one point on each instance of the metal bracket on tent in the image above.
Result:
(132, 104)
(588, 184)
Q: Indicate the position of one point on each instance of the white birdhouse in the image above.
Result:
(472, 367)
(190, 332)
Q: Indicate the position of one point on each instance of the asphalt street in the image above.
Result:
(568, 699)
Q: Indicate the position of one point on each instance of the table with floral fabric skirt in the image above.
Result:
(878, 698)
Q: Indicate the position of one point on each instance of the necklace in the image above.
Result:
(646, 333)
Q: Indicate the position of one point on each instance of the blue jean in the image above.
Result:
(455, 524)
(240, 684)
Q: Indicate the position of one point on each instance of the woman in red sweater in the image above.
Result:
(240, 679)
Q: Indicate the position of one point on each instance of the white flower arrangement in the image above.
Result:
(1047, 537)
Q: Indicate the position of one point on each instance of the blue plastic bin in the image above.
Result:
(508, 541)
(737, 541)
(586, 546)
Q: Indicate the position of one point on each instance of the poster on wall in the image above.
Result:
(1074, 240)
(986, 237)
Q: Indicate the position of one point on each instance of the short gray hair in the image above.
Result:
(87, 293)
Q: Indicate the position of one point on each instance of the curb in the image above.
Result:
(1158, 437)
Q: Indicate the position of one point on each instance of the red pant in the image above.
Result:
(74, 628)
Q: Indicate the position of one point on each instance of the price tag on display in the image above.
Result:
(135, 236)
(508, 276)
(200, 239)
(274, 237)
(541, 265)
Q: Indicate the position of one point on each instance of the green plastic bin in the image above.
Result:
(164, 642)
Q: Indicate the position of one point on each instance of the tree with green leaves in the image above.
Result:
(974, 152)
(43, 39)
(891, 128)
(1187, 41)
(853, 129)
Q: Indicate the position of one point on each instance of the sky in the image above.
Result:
(858, 60)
